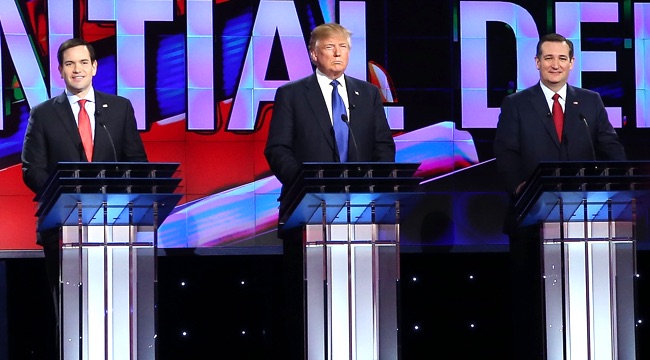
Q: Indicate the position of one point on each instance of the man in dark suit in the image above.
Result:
(303, 126)
(527, 133)
(53, 136)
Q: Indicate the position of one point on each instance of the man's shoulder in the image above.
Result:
(529, 91)
(50, 103)
(108, 96)
(358, 82)
(582, 91)
(525, 94)
(103, 98)
(300, 82)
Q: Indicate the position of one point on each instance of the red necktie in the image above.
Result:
(85, 130)
(558, 116)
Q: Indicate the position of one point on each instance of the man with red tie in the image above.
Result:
(550, 121)
(532, 129)
(81, 124)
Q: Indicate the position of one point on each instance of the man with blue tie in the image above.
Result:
(549, 121)
(307, 113)
(325, 117)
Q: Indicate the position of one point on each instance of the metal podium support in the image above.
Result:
(350, 218)
(109, 214)
(589, 290)
(587, 215)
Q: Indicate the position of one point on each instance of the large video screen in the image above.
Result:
(202, 76)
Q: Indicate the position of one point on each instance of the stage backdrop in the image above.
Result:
(202, 76)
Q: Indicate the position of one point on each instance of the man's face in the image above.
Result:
(554, 64)
(331, 55)
(77, 70)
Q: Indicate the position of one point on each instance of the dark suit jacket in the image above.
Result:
(526, 133)
(301, 129)
(52, 136)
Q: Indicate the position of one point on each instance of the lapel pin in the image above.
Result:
(105, 105)
(356, 92)
(575, 103)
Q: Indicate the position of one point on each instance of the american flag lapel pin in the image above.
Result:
(575, 103)
(105, 105)
(356, 92)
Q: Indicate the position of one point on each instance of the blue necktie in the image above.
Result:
(340, 128)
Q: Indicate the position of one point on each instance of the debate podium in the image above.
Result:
(587, 216)
(108, 215)
(349, 215)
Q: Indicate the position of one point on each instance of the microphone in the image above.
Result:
(110, 138)
(591, 143)
(344, 118)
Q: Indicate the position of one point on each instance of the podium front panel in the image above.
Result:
(107, 303)
(351, 284)
(589, 290)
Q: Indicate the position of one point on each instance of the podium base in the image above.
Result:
(107, 297)
(589, 290)
(351, 285)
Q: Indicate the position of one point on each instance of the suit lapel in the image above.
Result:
(571, 111)
(354, 94)
(66, 117)
(321, 114)
(541, 107)
(101, 142)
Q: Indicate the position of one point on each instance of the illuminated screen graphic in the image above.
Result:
(202, 76)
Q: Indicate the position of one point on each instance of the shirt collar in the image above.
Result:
(324, 81)
(548, 93)
(72, 98)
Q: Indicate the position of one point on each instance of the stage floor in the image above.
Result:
(454, 305)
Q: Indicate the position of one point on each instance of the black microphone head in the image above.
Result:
(344, 117)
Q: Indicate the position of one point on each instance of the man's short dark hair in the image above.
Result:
(74, 42)
(554, 38)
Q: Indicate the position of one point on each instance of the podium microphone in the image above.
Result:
(110, 139)
(591, 143)
(345, 119)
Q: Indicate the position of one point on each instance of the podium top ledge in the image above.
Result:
(107, 170)
(591, 167)
(122, 166)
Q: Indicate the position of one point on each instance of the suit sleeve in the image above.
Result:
(608, 146)
(507, 147)
(279, 150)
(132, 147)
(34, 154)
(384, 145)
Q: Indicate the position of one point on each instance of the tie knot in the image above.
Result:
(556, 96)
(82, 102)
(334, 83)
